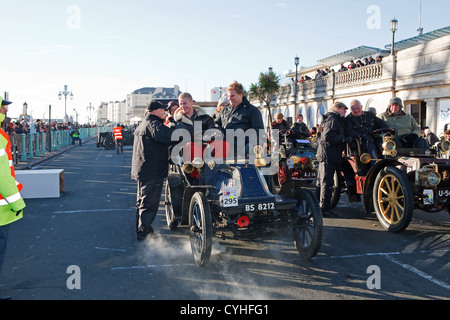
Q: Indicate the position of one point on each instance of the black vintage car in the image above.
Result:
(298, 161)
(106, 139)
(228, 196)
(400, 181)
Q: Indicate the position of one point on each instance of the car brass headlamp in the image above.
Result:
(428, 176)
(365, 158)
(198, 163)
(259, 162)
(188, 167)
(389, 146)
(434, 178)
(445, 145)
(315, 164)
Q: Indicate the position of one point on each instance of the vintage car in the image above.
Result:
(229, 197)
(401, 181)
(106, 139)
(298, 161)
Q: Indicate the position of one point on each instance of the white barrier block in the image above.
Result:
(41, 183)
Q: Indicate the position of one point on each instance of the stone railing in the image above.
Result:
(359, 75)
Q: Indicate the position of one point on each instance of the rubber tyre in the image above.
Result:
(337, 189)
(307, 224)
(200, 226)
(172, 223)
(109, 143)
(393, 199)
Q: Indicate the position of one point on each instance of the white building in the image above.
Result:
(419, 74)
(138, 100)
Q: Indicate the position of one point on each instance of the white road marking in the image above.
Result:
(94, 210)
(419, 272)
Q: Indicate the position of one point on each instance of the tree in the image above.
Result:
(268, 85)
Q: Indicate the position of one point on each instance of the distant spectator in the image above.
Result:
(352, 65)
(343, 68)
(430, 136)
(379, 59)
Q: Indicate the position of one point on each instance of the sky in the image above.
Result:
(105, 49)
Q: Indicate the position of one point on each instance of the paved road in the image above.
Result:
(92, 227)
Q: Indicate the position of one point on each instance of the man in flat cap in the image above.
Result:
(150, 165)
(407, 131)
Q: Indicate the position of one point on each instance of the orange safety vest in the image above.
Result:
(117, 133)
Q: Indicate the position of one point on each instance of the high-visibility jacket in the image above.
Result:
(11, 201)
(117, 133)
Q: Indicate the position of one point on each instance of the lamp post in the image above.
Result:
(297, 62)
(393, 27)
(76, 114)
(90, 108)
(65, 93)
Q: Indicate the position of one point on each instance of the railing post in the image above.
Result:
(24, 148)
(30, 140)
(37, 145)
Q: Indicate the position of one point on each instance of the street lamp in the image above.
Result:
(90, 108)
(65, 93)
(297, 62)
(393, 27)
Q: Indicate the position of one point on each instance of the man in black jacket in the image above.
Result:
(329, 153)
(150, 165)
(360, 124)
(240, 114)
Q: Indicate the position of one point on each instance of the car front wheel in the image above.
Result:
(393, 199)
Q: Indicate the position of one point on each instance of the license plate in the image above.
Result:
(444, 193)
(311, 174)
(428, 199)
(260, 206)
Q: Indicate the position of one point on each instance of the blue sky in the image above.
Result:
(104, 50)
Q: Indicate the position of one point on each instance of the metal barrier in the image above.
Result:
(28, 146)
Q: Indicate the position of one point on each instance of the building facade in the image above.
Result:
(419, 74)
(138, 100)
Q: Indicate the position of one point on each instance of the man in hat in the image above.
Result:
(329, 153)
(150, 165)
(407, 130)
(11, 202)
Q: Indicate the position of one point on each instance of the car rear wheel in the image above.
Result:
(393, 199)
(307, 224)
(172, 223)
(200, 226)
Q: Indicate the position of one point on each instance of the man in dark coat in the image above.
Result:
(329, 153)
(360, 124)
(240, 114)
(150, 165)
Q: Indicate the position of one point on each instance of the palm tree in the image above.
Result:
(268, 85)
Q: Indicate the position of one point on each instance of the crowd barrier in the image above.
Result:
(27, 146)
